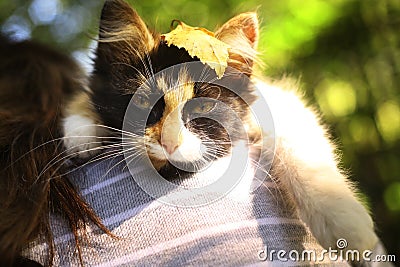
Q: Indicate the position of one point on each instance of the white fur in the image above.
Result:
(81, 136)
(305, 167)
(189, 148)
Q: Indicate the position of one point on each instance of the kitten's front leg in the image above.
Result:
(326, 202)
(305, 166)
(82, 133)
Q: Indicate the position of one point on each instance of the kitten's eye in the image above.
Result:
(201, 107)
(204, 107)
(141, 101)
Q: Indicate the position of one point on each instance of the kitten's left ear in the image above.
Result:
(123, 34)
(241, 33)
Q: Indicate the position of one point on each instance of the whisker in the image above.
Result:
(105, 155)
(72, 155)
(125, 158)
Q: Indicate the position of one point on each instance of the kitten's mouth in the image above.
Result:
(187, 157)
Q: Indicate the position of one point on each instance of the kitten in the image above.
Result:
(305, 165)
(55, 93)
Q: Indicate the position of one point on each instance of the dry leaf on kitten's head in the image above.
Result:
(200, 43)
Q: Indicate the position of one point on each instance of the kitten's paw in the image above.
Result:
(348, 220)
(81, 136)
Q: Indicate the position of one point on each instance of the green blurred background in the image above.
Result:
(345, 52)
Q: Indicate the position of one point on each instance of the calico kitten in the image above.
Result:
(54, 93)
(305, 165)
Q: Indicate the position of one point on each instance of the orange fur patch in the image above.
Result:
(174, 97)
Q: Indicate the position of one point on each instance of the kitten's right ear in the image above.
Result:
(241, 33)
(122, 33)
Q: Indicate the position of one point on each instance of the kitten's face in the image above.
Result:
(185, 115)
(178, 129)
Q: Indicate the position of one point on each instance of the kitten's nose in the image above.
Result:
(169, 147)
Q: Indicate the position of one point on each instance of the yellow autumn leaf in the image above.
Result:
(200, 43)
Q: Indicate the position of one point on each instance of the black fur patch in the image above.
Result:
(114, 84)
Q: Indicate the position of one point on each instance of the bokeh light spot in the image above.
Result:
(17, 28)
(388, 121)
(337, 98)
(44, 11)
